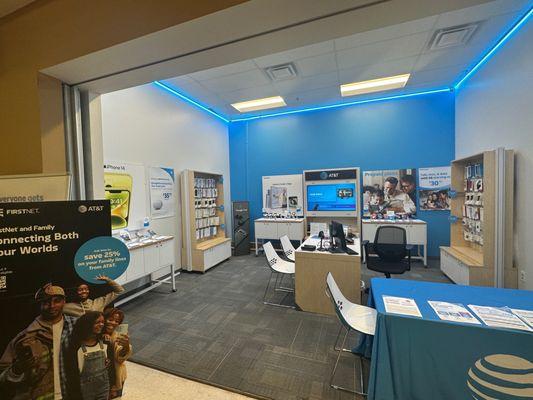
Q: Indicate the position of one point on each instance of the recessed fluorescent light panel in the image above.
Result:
(374, 85)
(259, 104)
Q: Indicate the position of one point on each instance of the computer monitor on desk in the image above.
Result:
(338, 240)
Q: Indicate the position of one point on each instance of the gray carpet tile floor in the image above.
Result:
(216, 329)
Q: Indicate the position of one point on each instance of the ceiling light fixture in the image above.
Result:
(374, 85)
(259, 104)
(352, 103)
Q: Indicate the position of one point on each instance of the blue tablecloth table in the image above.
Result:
(430, 359)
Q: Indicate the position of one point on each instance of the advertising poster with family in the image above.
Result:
(387, 191)
(61, 337)
(434, 188)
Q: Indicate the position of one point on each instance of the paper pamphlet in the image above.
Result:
(499, 317)
(525, 315)
(453, 312)
(401, 305)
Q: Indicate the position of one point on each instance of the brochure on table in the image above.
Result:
(283, 194)
(453, 312)
(499, 317)
(434, 188)
(162, 192)
(401, 305)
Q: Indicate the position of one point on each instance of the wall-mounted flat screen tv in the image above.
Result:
(331, 197)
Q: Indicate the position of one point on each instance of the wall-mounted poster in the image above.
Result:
(389, 190)
(434, 187)
(283, 193)
(49, 309)
(162, 192)
(125, 189)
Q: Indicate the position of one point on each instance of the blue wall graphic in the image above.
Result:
(404, 133)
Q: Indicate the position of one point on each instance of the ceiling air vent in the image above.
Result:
(281, 72)
(452, 36)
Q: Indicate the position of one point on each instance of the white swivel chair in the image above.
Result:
(281, 268)
(352, 317)
(288, 248)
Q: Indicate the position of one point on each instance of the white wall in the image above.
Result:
(147, 125)
(495, 109)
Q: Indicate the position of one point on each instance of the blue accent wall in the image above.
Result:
(404, 133)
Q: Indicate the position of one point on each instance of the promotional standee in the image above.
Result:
(58, 263)
(434, 187)
(162, 193)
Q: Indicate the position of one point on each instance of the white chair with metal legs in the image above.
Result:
(352, 317)
(288, 248)
(280, 267)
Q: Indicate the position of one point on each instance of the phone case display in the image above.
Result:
(203, 220)
(481, 221)
(473, 204)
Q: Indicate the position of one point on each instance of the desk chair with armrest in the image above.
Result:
(394, 254)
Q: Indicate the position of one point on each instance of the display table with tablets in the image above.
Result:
(442, 341)
(312, 268)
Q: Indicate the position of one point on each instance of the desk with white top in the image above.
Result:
(415, 229)
(275, 228)
(312, 268)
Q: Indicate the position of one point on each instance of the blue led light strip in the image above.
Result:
(499, 44)
(189, 100)
(352, 103)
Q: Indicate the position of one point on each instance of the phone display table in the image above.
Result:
(147, 257)
(312, 268)
(415, 229)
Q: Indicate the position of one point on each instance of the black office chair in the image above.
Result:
(391, 248)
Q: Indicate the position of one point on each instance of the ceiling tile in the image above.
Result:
(439, 76)
(479, 13)
(380, 52)
(316, 96)
(253, 93)
(295, 54)
(316, 65)
(223, 70)
(387, 33)
(301, 84)
(494, 28)
(190, 87)
(242, 80)
(374, 71)
(465, 55)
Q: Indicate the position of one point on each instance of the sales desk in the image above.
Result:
(415, 231)
(312, 268)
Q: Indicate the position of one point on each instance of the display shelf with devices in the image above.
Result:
(203, 221)
(481, 234)
(333, 195)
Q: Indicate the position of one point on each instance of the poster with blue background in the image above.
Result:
(433, 188)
